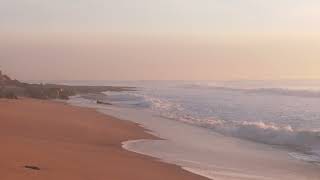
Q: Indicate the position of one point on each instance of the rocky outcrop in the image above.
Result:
(15, 88)
(5, 89)
(45, 92)
(2, 79)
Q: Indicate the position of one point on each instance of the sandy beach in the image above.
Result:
(69, 143)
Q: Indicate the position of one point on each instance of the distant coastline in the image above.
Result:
(12, 89)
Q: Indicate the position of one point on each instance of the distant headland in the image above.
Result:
(12, 89)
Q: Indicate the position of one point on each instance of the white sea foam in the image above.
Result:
(224, 175)
(201, 150)
(306, 157)
(269, 133)
(265, 114)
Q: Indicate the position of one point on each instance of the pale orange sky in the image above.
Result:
(160, 40)
(154, 58)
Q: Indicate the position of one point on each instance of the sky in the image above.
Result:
(160, 40)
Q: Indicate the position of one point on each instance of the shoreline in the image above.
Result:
(69, 142)
(210, 154)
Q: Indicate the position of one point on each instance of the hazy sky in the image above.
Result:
(167, 39)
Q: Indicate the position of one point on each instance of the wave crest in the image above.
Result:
(267, 91)
(306, 141)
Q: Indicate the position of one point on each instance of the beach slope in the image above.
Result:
(51, 140)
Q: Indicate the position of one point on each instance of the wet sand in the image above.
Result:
(73, 143)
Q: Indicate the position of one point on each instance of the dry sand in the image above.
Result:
(72, 143)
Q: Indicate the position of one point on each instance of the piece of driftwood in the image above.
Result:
(104, 103)
(32, 167)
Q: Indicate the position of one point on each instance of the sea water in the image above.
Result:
(205, 121)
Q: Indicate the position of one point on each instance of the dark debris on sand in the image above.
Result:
(32, 167)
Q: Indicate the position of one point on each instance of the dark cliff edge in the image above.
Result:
(12, 89)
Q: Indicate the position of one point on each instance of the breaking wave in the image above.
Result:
(303, 140)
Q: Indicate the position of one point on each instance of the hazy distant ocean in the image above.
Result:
(284, 113)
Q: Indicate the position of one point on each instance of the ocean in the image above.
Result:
(272, 122)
